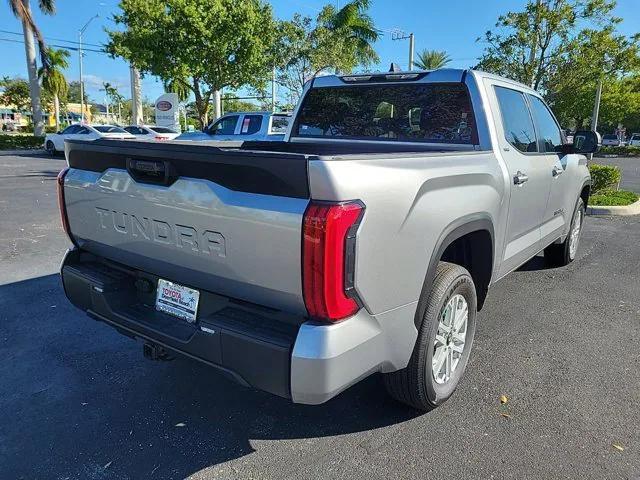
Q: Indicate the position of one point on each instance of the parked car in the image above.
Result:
(634, 141)
(242, 126)
(611, 140)
(54, 142)
(365, 242)
(151, 132)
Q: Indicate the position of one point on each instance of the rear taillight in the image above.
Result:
(62, 206)
(328, 252)
(158, 137)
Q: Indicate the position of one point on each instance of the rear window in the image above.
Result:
(438, 113)
(109, 129)
(162, 130)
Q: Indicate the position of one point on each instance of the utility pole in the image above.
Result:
(80, 32)
(273, 89)
(400, 35)
(136, 101)
(596, 107)
(411, 51)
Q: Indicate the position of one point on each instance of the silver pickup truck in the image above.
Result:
(365, 242)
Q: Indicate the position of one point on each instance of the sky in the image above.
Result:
(451, 25)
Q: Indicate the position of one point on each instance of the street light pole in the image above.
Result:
(80, 32)
(411, 51)
(400, 35)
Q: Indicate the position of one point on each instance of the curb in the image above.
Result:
(623, 211)
(35, 151)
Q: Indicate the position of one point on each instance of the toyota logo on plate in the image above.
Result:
(163, 105)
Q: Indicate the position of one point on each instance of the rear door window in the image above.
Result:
(251, 124)
(516, 120)
(430, 113)
(548, 129)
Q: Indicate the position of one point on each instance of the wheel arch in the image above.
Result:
(480, 226)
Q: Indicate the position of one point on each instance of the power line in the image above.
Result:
(57, 46)
(55, 39)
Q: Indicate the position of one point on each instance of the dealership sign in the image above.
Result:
(168, 111)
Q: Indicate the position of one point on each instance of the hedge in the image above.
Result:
(621, 151)
(20, 142)
(613, 197)
(604, 177)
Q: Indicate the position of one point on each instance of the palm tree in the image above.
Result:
(53, 81)
(432, 59)
(22, 11)
(359, 26)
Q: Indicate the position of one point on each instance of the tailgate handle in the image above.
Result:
(159, 172)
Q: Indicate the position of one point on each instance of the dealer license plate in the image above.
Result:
(177, 300)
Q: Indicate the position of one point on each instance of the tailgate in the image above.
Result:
(223, 220)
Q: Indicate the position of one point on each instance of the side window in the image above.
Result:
(548, 130)
(135, 130)
(70, 129)
(279, 124)
(516, 119)
(224, 126)
(83, 131)
(251, 124)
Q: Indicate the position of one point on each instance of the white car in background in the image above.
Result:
(151, 132)
(54, 142)
(634, 141)
(611, 140)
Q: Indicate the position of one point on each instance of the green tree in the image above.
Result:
(432, 59)
(593, 56)
(22, 11)
(233, 104)
(53, 80)
(527, 45)
(15, 91)
(210, 44)
(73, 93)
(338, 40)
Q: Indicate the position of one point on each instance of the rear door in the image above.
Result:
(529, 176)
(563, 193)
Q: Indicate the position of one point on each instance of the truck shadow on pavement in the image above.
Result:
(78, 400)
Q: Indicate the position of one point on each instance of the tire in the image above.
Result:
(416, 385)
(50, 148)
(561, 254)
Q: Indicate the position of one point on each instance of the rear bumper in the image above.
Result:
(258, 347)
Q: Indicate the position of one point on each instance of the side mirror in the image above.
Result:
(586, 141)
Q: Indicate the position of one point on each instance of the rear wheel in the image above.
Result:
(561, 254)
(444, 342)
(50, 147)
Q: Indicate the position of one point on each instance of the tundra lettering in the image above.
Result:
(208, 242)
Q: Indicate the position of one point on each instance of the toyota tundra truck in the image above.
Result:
(365, 242)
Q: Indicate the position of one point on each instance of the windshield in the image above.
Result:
(438, 113)
(162, 130)
(109, 129)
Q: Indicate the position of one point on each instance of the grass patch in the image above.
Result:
(613, 197)
(20, 142)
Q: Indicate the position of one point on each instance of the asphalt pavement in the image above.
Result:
(630, 167)
(79, 401)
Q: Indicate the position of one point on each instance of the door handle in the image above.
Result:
(519, 178)
(557, 171)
